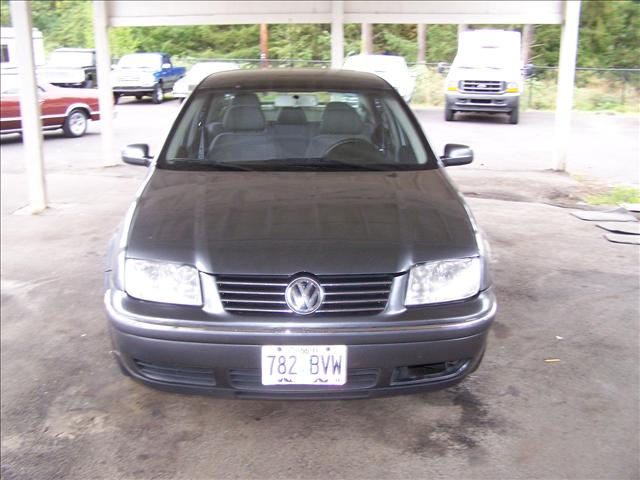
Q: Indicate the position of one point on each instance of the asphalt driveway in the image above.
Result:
(555, 397)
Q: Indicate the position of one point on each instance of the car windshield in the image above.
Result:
(295, 130)
(141, 60)
(71, 59)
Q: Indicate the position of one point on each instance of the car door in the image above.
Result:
(169, 74)
(53, 105)
(10, 111)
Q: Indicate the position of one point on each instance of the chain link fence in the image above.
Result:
(597, 89)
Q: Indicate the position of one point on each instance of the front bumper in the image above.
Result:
(467, 102)
(133, 90)
(384, 357)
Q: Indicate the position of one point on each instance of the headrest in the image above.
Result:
(292, 116)
(246, 99)
(243, 118)
(340, 119)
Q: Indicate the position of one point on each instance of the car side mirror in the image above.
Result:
(137, 154)
(442, 67)
(527, 70)
(166, 65)
(455, 154)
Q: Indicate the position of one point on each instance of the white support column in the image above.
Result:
(566, 78)
(29, 106)
(103, 64)
(337, 34)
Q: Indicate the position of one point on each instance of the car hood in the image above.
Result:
(290, 222)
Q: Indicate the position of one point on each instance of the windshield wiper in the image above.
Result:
(188, 164)
(356, 166)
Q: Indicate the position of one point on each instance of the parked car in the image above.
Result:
(140, 74)
(197, 73)
(66, 108)
(393, 69)
(486, 75)
(289, 244)
(70, 67)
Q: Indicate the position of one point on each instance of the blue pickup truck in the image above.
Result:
(145, 74)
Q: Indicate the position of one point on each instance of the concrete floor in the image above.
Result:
(565, 293)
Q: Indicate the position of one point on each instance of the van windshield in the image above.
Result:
(295, 130)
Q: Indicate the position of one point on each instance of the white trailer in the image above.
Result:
(9, 53)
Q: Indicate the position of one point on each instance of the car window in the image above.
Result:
(293, 130)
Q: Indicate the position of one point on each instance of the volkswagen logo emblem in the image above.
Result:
(304, 295)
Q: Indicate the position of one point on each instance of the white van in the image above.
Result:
(486, 74)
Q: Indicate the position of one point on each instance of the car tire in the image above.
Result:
(158, 94)
(514, 115)
(76, 123)
(116, 98)
(448, 114)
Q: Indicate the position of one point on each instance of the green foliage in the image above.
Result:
(609, 36)
(64, 23)
(442, 43)
(5, 15)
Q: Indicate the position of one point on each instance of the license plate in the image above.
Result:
(304, 364)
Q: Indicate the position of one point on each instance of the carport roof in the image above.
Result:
(295, 79)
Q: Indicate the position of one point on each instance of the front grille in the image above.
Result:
(176, 374)
(251, 379)
(480, 86)
(351, 295)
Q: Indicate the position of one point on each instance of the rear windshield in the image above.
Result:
(295, 130)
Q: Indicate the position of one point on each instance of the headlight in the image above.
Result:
(444, 281)
(452, 86)
(512, 87)
(162, 282)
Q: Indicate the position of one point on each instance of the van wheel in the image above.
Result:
(448, 114)
(75, 125)
(158, 94)
(514, 115)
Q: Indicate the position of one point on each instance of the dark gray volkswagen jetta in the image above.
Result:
(297, 237)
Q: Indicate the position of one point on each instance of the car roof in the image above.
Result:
(294, 79)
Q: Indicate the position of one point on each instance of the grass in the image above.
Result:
(593, 92)
(616, 196)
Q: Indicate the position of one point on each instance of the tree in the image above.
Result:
(609, 36)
